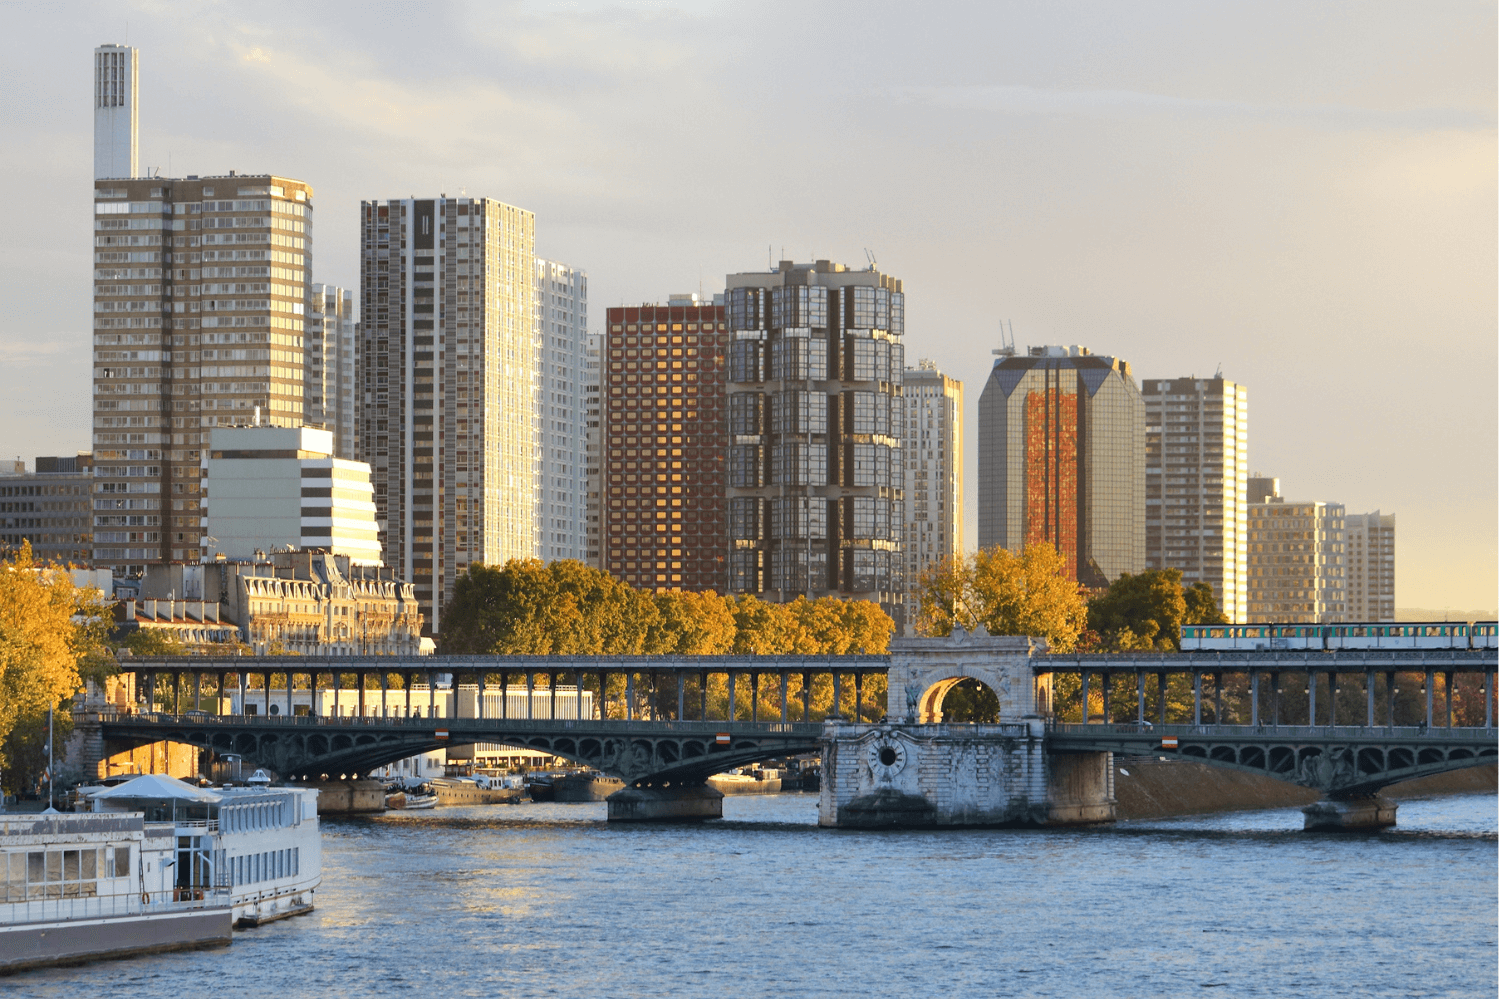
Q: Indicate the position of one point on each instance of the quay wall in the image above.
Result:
(40, 945)
(1156, 789)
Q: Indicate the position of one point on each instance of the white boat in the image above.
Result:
(86, 887)
(260, 843)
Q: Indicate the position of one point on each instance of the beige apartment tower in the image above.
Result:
(331, 347)
(1297, 559)
(200, 295)
(934, 474)
(1196, 484)
(1371, 566)
(448, 379)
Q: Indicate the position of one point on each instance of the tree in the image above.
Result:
(1146, 611)
(51, 639)
(692, 624)
(1027, 593)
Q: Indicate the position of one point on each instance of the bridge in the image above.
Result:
(1285, 714)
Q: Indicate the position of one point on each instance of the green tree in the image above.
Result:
(1146, 611)
(1009, 593)
(692, 624)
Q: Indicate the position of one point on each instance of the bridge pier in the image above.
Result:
(680, 803)
(1350, 814)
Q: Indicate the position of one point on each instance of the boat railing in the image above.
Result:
(69, 908)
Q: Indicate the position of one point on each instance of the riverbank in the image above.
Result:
(1158, 789)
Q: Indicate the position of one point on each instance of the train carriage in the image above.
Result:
(1354, 635)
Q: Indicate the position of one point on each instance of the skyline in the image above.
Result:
(1358, 223)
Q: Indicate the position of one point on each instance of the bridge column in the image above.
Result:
(630, 696)
(1389, 697)
(1108, 683)
(1140, 696)
(731, 694)
(1160, 684)
(1369, 695)
(754, 696)
(858, 696)
(406, 682)
(1311, 697)
(384, 694)
(431, 694)
(266, 679)
(1487, 690)
(361, 677)
(480, 712)
(837, 695)
(1332, 698)
(1217, 698)
(552, 688)
(1196, 698)
(679, 803)
(1447, 682)
(702, 693)
(807, 696)
(1275, 700)
(1084, 712)
(1254, 699)
(219, 693)
(291, 710)
(1428, 688)
(1349, 814)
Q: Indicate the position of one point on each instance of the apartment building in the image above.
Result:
(200, 295)
(1371, 566)
(49, 508)
(933, 473)
(593, 457)
(1061, 459)
(663, 479)
(561, 411)
(331, 344)
(816, 474)
(448, 374)
(1297, 559)
(1196, 484)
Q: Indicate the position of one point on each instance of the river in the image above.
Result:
(547, 900)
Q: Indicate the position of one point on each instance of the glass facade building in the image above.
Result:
(448, 379)
(1062, 459)
(1196, 485)
(816, 419)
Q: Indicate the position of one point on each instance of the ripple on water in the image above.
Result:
(549, 900)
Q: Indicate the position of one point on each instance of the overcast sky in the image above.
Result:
(1301, 194)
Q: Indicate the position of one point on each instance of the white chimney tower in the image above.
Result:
(116, 112)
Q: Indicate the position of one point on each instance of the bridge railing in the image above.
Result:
(481, 725)
(1382, 732)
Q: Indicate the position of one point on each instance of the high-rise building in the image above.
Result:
(1296, 559)
(200, 296)
(331, 344)
(561, 436)
(934, 473)
(49, 508)
(816, 478)
(663, 451)
(116, 112)
(447, 371)
(269, 489)
(593, 410)
(1196, 484)
(1371, 566)
(1062, 459)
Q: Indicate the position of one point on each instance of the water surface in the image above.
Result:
(547, 900)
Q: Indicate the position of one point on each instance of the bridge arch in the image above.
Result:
(930, 703)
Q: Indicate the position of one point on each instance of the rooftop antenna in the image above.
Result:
(873, 263)
(1219, 373)
(1006, 340)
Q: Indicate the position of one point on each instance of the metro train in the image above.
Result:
(1372, 635)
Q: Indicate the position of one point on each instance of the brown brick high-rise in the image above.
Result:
(662, 476)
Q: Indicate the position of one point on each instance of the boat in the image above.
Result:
(78, 887)
(585, 786)
(260, 842)
(541, 787)
(479, 789)
(418, 802)
(741, 782)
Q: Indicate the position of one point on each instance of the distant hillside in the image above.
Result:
(1424, 614)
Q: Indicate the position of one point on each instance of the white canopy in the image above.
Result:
(157, 786)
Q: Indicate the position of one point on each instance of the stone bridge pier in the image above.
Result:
(913, 770)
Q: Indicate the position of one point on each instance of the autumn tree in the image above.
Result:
(1009, 593)
(1147, 611)
(52, 638)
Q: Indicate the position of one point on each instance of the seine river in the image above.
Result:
(546, 900)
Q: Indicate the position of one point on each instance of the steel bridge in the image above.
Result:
(658, 730)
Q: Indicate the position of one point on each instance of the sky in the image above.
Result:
(1301, 195)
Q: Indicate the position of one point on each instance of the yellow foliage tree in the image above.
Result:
(1008, 593)
(51, 638)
